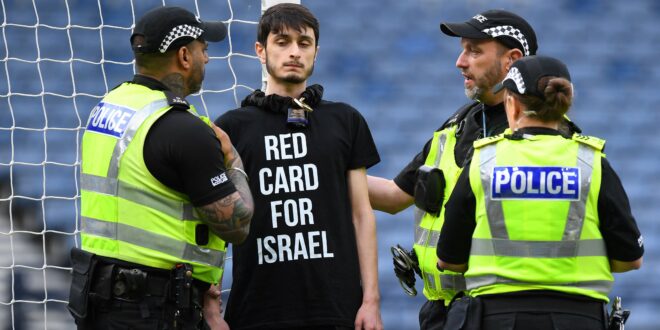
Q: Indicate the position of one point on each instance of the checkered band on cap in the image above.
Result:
(177, 32)
(517, 78)
(508, 30)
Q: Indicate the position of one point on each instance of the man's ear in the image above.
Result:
(261, 52)
(511, 56)
(184, 57)
(515, 54)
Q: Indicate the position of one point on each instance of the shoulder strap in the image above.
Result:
(488, 140)
(594, 142)
(176, 101)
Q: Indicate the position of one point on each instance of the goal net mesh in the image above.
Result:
(58, 58)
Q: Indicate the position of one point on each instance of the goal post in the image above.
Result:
(57, 60)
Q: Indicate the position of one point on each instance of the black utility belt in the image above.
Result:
(131, 283)
(135, 284)
(496, 304)
(98, 280)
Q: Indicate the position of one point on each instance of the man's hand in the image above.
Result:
(213, 309)
(368, 317)
(225, 144)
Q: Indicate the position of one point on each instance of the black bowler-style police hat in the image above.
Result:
(507, 27)
(524, 75)
(166, 27)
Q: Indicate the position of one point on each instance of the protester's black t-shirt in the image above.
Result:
(299, 264)
(182, 152)
(471, 129)
(617, 225)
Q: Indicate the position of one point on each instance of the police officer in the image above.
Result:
(491, 41)
(162, 190)
(539, 219)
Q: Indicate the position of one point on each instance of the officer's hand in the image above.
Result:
(225, 144)
(213, 309)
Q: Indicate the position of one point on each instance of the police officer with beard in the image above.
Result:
(538, 220)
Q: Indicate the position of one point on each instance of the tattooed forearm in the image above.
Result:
(230, 217)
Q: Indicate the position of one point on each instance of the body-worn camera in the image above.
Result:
(429, 189)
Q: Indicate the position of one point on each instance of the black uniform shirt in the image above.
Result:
(469, 130)
(182, 152)
(617, 224)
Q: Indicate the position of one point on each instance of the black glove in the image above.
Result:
(405, 267)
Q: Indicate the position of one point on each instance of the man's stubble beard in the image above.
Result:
(291, 78)
(483, 85)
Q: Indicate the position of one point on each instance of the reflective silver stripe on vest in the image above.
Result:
(424, 236)
(131, 129)
(538, 249)
(173, 208)
(98, 184)
(603, 287)
(453, 282)
(576, 212)
(109, 186)
(442, 139)
(447, 282)
(177, 249)
(430, 281)
(488, 157)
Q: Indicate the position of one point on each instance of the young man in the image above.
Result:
(310, 261)
(490, 42)
(159, 194)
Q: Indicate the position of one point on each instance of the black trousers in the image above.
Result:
(149, 314)
(541, 313)
(122, 298)
(432, 315)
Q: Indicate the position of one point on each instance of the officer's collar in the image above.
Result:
(538, 131)
(155, 84)
(151, 83)
(525, 132)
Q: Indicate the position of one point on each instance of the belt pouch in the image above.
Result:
(83, 264)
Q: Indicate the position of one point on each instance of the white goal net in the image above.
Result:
(58, 58)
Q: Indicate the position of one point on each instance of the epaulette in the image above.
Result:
(176, 101)
(594, 142)
(487, 140)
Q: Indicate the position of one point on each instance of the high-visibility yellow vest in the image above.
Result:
(437, 285)
(537, 225)
(126, 213)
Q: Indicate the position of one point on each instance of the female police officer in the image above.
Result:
(540, 220)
